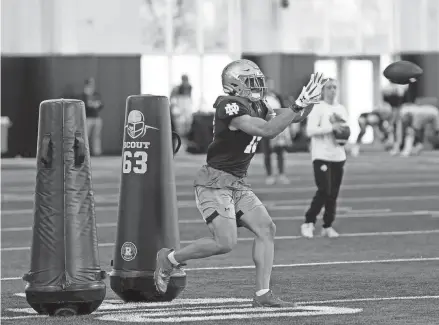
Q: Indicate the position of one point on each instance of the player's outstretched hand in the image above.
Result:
(312, 91)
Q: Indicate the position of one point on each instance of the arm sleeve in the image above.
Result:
(313, 126)
(227, 110)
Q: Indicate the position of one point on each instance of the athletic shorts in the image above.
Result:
(218, 193)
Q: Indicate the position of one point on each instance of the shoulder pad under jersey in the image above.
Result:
(231, 106)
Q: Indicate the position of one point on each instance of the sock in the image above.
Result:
(262, 292)
(172, 259)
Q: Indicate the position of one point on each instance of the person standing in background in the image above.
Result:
(182, 106)
(93, 107)
(279, 143)
(328, 158)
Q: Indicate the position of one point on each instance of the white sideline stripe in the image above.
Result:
(361, 234)
(268, 203)
(396, 260)
(290, 189)
(367, 299)
(19, 197)
(282, 189)
(23, 317)
(357, 214)
(30, 212)
(256, 178)
(183, 303)
(239, 267)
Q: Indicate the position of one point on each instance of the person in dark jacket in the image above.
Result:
(277, 145)
(93, 107)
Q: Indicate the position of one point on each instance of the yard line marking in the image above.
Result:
(364, 234)
(239, 267)
(356, 214)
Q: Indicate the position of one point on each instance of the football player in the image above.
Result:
(380, 120)
(384, 118)
(222, 195)
(415, 119)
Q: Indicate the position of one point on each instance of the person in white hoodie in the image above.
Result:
(328, 159)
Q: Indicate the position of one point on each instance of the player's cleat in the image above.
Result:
(307, 230)
(163, 270)
(270, 180)
(270, 301)
(282, 179)
(330, 232)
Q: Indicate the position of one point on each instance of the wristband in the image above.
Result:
(296, 108)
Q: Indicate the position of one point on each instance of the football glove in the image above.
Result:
(312, 92)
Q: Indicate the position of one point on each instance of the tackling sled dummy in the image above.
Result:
(147, 218)
(65, 277)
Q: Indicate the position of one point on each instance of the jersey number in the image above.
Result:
(140, 160)
(251, 147)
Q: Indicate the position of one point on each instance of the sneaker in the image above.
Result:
(269, 300)
(163, 270)
(330, 232)
(405, 154)
(270, 180)
(307, 230)
(418, 149)
(394, 151)
(282, 179)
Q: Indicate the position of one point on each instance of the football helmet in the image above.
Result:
(244, 78)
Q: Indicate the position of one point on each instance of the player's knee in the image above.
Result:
(266, 230)
(269, 229)
(225, 244)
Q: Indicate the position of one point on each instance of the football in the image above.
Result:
(342, 136)
(402, 72)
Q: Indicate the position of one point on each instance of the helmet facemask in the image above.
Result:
(255, 87)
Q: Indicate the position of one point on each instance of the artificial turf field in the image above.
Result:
(382, 270)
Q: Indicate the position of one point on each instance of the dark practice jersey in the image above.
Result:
(231, 151)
